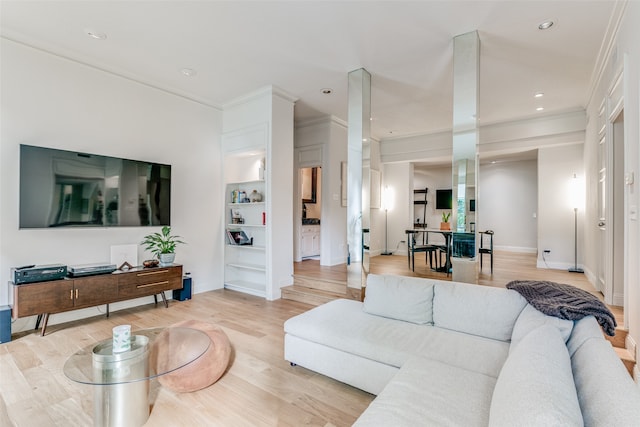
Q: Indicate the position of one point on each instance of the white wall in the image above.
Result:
(398, 178)
(508, 204)
(50, 101)
(433, 178)
(556, 168)
(507, 192)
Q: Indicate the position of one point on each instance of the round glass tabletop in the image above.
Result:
(154, 352)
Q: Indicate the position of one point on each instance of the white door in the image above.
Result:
(602, 214)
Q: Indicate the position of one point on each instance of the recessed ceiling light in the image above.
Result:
(95, 34)
(539, 108)
(545, 25)
(326, 90)
(538, 94)
(189, 72)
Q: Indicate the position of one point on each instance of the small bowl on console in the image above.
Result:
(150, 263)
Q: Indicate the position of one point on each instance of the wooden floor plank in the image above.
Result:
(259, 389)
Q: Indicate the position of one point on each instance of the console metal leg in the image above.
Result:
(38, 319)
(164, 299)
(155, 299)
(44, 324)
(107, 310)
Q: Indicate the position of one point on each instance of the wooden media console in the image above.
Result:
(57, 296)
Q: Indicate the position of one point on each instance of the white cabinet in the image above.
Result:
(310, 241)
(257, 144)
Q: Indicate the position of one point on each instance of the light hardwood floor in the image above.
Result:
(259, 389)
(508, 266)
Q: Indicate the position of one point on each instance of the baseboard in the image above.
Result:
(555, 265)
(618, 300)
(519, 249)
(636, 375)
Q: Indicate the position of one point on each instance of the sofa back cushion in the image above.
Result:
(477, 310)
(583, 330)
(531, 318)
(399, 297)
(607, 394)
(535, 386)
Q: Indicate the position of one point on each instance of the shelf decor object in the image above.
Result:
(162, 245)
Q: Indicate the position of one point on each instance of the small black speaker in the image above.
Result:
(5, 323)
(185, 292)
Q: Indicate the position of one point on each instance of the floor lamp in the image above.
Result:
(387, 202)
(575, 268)
(575, 191)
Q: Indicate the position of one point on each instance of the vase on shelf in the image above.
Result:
(255, 196)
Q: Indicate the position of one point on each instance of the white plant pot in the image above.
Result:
(167, 259)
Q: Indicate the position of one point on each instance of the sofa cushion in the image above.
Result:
(478, 310)
(531, 318)
(343, 325)
(601, 380)
(583, 330)
(430, 393)
(535, 386)
(400, 297)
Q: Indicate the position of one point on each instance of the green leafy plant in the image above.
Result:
(445, 216)
(162, 243)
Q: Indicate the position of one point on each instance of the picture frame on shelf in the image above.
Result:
(239, 237)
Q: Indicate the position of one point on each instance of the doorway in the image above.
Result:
(610, 277)
(310, 189)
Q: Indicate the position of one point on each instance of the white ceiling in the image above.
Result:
(237, 47)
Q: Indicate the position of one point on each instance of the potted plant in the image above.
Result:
(162, 245)
(444, 225)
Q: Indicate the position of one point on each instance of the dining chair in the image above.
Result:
(431, 252)
(486, 249)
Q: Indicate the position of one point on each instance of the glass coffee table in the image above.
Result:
(121, 380)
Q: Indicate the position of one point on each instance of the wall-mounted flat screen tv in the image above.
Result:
(443, 199)
(60, 188)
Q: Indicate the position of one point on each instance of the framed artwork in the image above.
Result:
(124, 256)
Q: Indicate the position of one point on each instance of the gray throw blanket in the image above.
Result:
(565, 302)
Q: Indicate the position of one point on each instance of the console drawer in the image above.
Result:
(149, 282)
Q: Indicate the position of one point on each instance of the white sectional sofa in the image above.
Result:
(445, 353)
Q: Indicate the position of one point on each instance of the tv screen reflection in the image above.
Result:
(61, 188)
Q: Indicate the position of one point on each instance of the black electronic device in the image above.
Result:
(185, 292)
(38, 273)
(5, 323)
(60, 188)
(443, 199)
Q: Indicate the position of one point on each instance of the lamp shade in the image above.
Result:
(576, 192)
(388, 197)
